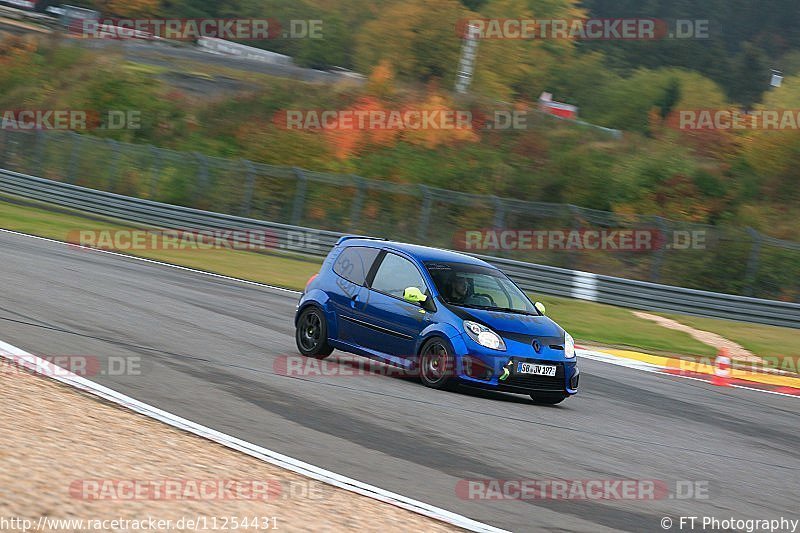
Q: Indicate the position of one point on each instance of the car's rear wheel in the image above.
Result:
(436, 364)
(312, 334)
(548, 398)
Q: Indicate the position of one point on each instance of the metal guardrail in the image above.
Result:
(240, 51)
(721, 258)
(529, 276)
(160, 215)
(648, 296)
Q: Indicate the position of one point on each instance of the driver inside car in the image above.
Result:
(459, 290)
(462, 292)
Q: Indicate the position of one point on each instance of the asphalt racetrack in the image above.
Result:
(208, 349)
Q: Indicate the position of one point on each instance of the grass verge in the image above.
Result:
(616, 326)
(778, 345)
(55, 223)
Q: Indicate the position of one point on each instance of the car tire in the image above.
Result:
(548, 398)
(437, 364)
(311, 334)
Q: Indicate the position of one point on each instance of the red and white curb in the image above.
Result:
(614, 360)
(21, 358)
(673, 372)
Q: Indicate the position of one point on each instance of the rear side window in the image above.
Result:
(354, 262)
(395, 274)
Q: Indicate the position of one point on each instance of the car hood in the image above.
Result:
(536, 326)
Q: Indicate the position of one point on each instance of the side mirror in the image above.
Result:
(414, 295)
(539, 307)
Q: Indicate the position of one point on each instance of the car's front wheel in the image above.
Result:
(437, 364)
(548, 398)
(311, 334)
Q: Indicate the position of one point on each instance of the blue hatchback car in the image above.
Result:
(448, 317)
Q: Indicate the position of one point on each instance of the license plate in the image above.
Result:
(539, 370)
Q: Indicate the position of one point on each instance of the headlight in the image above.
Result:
(569, 346)
(484, 336)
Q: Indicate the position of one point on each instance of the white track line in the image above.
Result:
(152, 261)
(619, 361)
(22, 358)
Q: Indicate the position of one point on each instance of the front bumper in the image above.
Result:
(566, 380)
(481, 367)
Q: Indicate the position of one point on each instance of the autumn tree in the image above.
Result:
(129, 8)
(774, 154)
(417, 38)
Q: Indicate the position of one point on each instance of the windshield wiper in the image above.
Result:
(510, 310)
(498, 309)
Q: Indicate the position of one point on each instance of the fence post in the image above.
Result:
(155, 171)
(113, 173)
(358, 202)
(499, 213)
(299, 197)
(39, 151)
(575, 226)
(9, 150)
(4, 149)
(425, 212)
(752, 261)
(201, 183)
(250, 182)
(658, 260)
(72, 169)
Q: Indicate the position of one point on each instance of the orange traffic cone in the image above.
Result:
(722, 369)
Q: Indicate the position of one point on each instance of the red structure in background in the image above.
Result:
(558, 109)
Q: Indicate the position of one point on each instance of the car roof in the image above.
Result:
(421, 253)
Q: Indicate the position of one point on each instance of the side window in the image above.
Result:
(353, 263)
(395, 274)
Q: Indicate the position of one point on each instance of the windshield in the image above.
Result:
(478, 287)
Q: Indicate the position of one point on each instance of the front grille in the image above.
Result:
(532, 382)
